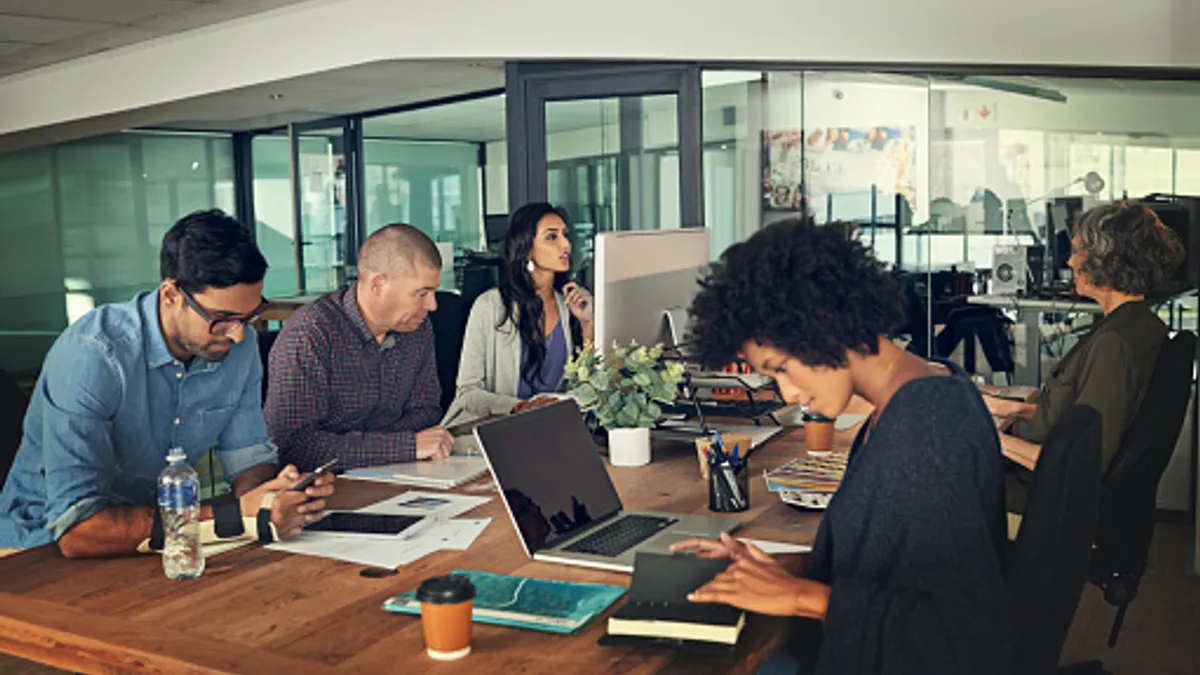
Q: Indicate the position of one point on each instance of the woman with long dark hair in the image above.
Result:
(520, 335)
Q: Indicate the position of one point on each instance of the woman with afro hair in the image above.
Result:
(905, 573)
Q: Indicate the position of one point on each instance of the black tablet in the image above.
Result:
(363, 523)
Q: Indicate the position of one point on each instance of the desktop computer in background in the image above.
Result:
(642, 278)
(1179, 214)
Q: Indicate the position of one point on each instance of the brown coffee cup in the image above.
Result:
(818, 433)
(446, 604)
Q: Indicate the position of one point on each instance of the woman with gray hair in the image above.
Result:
(1120, 253)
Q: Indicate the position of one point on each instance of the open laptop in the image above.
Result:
(561, 500)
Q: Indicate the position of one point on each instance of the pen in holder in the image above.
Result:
(728, 487)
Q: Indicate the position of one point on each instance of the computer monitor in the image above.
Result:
(1179, 214)
(495, 227)
(640, 277)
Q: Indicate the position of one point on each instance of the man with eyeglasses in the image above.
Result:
(174, 367)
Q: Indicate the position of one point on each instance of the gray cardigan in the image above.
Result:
(489, 371)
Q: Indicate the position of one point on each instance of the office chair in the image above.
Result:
(1047, 565)
(13, 404)
(989, 327)
(266, 340)
(1129, 489)
(449, 326)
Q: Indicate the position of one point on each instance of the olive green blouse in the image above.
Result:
(1108, 369)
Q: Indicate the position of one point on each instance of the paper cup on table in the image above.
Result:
(818, 433)
(446, 604)
(742, 441)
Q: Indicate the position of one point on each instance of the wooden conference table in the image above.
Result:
(260, 611)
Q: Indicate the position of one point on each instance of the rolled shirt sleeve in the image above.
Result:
(243, 443)
(82, 388)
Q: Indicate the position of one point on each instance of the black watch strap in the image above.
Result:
(263, 522)
(227, 517)
(157, 536)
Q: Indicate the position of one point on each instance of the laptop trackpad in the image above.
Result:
(661, 543)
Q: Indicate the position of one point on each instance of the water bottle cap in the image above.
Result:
(176, 454)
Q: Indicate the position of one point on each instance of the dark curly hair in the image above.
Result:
(1127, 247)
(813, 291)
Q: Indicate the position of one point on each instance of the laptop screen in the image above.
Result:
(550, 472)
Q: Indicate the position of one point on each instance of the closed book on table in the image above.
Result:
(658, 608)
(524, 602)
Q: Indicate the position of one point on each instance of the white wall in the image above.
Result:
(295, 41)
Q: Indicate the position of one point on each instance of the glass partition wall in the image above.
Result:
(936, 169)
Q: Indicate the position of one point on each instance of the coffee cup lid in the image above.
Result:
(448, 590)
(815, 417)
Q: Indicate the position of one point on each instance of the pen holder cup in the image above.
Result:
(704, 444)
(728, 488)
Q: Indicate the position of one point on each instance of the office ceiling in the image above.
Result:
(347, 90)
(36, 33)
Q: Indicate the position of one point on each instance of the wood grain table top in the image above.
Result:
(260, 611)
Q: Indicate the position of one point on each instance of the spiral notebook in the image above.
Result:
(524, 602)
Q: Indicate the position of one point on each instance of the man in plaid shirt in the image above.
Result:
(353, 375)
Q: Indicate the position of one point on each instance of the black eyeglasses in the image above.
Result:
(225, 324)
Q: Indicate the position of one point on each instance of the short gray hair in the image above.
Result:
(395, 249)
(1127, 247)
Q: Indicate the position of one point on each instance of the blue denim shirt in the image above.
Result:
(110, 402)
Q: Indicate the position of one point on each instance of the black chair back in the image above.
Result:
(1128, 494)
(1047, 565)
(449, 326)
(13, 405)
(266, 340)
(965, 325)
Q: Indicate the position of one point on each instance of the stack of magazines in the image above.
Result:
(810, 482)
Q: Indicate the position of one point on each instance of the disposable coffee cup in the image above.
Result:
(446, 604)
(818, 433)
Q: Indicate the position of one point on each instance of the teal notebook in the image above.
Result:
(541, 604)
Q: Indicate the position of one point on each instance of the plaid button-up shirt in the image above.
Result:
(335, 391)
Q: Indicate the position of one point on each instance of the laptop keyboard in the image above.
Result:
(613, 540)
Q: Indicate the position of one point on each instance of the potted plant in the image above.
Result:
(624, 390)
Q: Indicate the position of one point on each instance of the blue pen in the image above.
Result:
(733, 459)
(720, 443)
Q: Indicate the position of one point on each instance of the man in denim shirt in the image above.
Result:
(126, 382)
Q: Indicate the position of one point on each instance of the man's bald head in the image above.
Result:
(395, 250)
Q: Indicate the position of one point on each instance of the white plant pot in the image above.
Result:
(629, 447)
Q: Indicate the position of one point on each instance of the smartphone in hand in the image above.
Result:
(308, 480)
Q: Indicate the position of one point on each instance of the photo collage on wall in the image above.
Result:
(837, 160)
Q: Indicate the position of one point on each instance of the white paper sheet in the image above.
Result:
(773, 547)
(361, 549)
(844, 422)
(436, 505)
(455, 535)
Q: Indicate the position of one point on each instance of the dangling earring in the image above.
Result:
(530, 267)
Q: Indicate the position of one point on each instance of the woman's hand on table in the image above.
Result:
(712, 549)
(533, 403)
(756, 582)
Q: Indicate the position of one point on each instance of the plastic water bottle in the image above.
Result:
(179, 501)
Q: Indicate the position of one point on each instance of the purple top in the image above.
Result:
(552, 367)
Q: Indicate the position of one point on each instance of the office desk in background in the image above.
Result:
(260, 611)
(1028, 354)
(282, 309)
